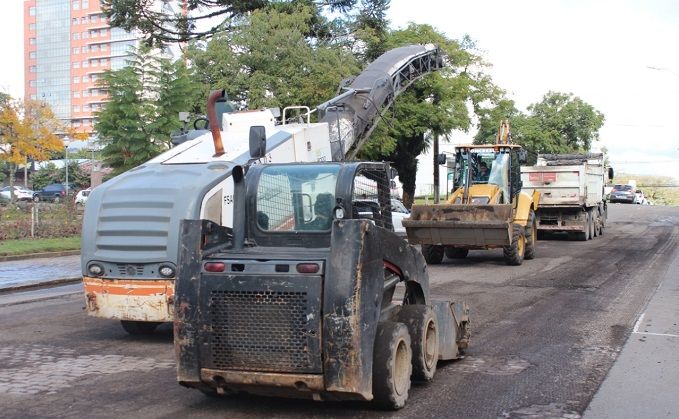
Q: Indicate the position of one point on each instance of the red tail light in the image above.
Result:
(307, 268)
(215, 266)
(63, 193)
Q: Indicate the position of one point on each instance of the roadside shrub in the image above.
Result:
(53, 220)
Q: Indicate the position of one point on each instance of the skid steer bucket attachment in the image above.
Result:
(460, 225)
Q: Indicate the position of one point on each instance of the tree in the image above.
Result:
(433, 107)
(144, 101)
(27, 132)
(258, 70)
(193, 20)
(77, 177)
(560, 123)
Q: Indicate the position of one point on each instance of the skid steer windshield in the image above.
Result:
(296, 198)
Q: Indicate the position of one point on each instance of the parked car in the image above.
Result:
(639, 198)
(623, 193)
(81, 197)
(21, 193)
(54, 192)
(368, 207)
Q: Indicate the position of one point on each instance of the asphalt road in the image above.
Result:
(545, 334)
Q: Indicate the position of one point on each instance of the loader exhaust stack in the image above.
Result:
(214, 124)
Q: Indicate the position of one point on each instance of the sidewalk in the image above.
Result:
(644, 381)
(19, 274)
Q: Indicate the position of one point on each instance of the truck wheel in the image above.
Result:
(392, 365)
(139, 328)
(515, 251)
(433, 254)
(421, 324)
(531, 236)
(456, 252)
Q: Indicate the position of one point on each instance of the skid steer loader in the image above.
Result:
(309, 295)
(487, 208)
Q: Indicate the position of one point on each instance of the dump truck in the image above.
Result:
(130, 235)
(307, 296)
(487, 208)
(572, 191)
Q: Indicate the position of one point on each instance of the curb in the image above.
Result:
(39, 255)
(42, 284)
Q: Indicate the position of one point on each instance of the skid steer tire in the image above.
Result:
(423, 329)
(139, 328)
(531, 236)
(392, 365)
(515, 251)
(432, 253)
(456, 252)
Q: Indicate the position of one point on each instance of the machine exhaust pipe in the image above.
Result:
(212, 118)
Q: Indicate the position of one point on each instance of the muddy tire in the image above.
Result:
(592, 226)
(139, 328)
(392, 365)
(514, 252)
(433, 254)
(456, 252)
(423, 329)
(531, 236)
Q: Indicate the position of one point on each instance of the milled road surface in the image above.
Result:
(545, 335)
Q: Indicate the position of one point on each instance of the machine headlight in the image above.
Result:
(166, 271)
(95, 269)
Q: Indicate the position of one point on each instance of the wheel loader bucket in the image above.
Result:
(460, 225)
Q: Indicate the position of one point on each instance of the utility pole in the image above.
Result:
(66, 143)
(436, 169)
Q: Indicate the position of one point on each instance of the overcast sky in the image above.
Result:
(597, 50)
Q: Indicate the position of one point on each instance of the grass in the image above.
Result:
(28, 246)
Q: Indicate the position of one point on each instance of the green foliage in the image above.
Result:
(144, 101)
(77, 177)
(560, 123)
(164, 26)
(269, 62)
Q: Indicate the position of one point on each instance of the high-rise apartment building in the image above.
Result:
(67, 46)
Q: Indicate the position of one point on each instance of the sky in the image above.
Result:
(600, 51)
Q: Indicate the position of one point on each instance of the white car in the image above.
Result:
(20, 193)
(639, 198)
(81, 197)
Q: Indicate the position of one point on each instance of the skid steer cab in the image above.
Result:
(486, 209)
(310, 294)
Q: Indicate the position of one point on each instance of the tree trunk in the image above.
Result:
(12, 175)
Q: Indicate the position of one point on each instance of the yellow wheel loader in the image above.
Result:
(486, 210)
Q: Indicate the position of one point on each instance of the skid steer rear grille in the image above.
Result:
(260, 331)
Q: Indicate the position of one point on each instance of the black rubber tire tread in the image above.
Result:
(387, 339)
(531, 226)
(592, 225)
(139, 328)
(432, 253)
(513, 256)
(456, 252)
(418, 319)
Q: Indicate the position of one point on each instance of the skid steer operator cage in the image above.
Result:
(297, 203)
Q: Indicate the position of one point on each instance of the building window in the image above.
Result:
(86, 93)
(86, 64)
(95, 63)
(76, 108)
(76, 4)
(94, 47)
(104, 47)
(34, 97)
(76, 50)
(76, 80)
(74, 21)
(103, 61)
(86, 35)
(32, 55)
(76, 123)
(86, 108)
(76, 36)
(94, 77)
(94, 33)
(32, 83)
(76, 94)
(31, 11)
(31, 27)
(86, 78)
(31, 41)
(103, 32)
(33, 69)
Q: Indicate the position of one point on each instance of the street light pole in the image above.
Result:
(66, 142)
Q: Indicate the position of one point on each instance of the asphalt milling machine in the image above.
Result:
(308, 295)
(130, 235)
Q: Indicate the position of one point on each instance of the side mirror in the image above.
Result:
(440, 159)
(257, 142)
(523, 156)
(610, 173)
